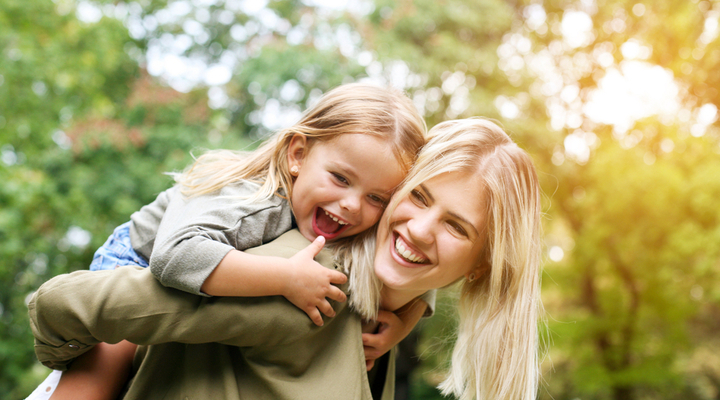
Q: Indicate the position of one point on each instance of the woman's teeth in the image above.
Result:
(407, 254)
(335, 219)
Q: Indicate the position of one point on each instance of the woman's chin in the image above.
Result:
(391, 278)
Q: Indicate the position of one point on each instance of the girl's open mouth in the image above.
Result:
(328, 225)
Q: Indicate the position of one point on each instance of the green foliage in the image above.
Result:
(634, 295)
(643, 240)
(85, 143)
(439, 38)
(313, 71)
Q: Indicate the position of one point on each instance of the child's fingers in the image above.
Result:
(337, 277)
(314, 248)
(315, 316)
(336, 294)
(326, 308)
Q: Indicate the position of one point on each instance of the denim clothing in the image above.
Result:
(117, 251)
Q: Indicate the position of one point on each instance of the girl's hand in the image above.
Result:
(310, 285)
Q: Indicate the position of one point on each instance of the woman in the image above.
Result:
(469, 210)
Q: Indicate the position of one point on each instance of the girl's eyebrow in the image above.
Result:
(345, 168)
(451, 213)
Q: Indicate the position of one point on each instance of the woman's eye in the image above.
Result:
(458, 228)
(340, 178)
(418, 197)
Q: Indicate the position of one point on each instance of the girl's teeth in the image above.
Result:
(407, 254)
(335, 219)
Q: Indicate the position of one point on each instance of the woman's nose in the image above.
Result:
(421, 228)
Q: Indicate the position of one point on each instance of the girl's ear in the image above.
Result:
(297, 150)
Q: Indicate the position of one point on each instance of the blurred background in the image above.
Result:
(616, 100)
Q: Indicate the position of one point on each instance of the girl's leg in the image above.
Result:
(46, 388)
(99, 374)
(102, 372)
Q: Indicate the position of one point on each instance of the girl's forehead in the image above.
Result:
(367, 157)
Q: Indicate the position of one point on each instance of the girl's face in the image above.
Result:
(434, 236)
(342, 185)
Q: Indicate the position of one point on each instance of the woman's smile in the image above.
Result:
(408, 253)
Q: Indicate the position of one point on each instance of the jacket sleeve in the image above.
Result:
(71, 313)
(196, 233)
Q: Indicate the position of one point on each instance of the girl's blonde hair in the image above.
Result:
(352, 108)
(496, 353)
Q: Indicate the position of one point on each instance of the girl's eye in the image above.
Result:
(377, 200)
(418, 197)
(340, 178)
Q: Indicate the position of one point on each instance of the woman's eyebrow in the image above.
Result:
(427, 192)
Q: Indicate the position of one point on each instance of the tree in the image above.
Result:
(631, 202)
(50, 71)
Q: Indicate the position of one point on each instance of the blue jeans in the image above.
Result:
(117, 251)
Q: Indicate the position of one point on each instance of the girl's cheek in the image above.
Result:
(378, 214)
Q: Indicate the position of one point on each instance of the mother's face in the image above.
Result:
(434, 236)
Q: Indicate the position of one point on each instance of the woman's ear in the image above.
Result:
(475, 274)
(297, 150)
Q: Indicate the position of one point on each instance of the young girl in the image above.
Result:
(337, 167)
(330, 175)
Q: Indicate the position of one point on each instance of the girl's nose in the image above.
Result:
(351, 203)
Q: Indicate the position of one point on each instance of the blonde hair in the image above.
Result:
(352, 108)
(496, 352)
(356, 258)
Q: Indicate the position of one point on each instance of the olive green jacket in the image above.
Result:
(205, 348)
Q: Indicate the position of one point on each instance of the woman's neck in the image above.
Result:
(393, 299)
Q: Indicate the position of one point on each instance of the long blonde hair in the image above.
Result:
(350, 108)
(496, 352)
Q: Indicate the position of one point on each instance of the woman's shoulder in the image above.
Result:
(288, 244)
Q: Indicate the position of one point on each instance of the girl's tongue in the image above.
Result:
(324, 223)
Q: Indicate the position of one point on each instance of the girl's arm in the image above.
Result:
(198, 247)
(303, 281)
(195, 234)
